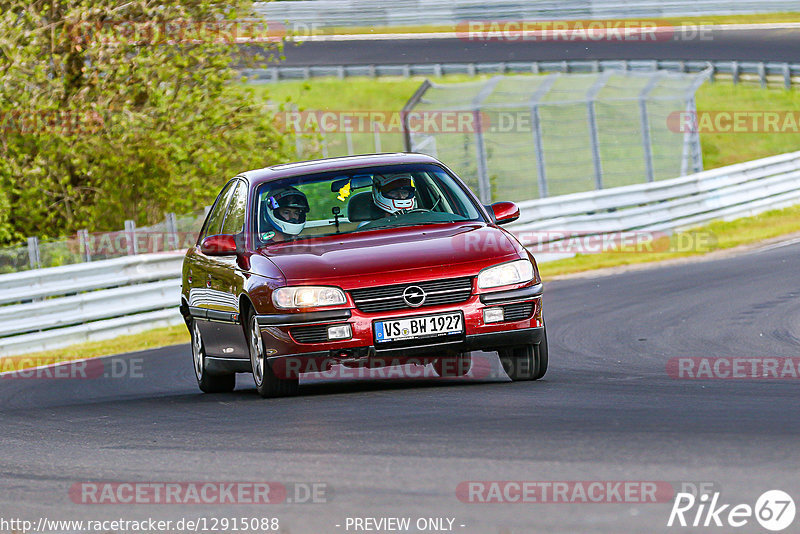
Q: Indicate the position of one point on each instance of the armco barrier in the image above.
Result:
(766, 74)
(343, 13)
(729, 192)
(49, 308)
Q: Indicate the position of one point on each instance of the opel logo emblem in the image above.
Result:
(414, 296)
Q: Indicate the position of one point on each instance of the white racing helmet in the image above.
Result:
(287, 198)
(394, 193)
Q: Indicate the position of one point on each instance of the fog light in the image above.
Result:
(340, 331)
(492, 315)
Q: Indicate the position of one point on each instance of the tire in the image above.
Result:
(207, 382)
(526, 362)
(453, 365)
(267, 383)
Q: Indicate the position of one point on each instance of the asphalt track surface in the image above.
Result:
(607, 410)
(746, 45)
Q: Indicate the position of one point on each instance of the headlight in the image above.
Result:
(308, 297)
(513, 272)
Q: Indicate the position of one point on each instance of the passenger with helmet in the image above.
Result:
(285, 211)
(394, 193)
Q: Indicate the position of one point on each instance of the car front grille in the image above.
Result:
(388, 298)
(517, 312)
(310, 334)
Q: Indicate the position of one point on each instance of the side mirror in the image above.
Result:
(505, 212)
(219, 245)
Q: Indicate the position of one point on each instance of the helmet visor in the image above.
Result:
(399, 188)
(289, 206)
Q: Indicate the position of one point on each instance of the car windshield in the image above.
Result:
(359, 200)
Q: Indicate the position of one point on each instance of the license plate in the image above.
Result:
(419, 327)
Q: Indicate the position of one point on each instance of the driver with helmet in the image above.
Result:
(285, 210)
(394, 193)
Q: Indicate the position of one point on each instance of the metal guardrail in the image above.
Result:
(59, 306)
(737, 191)
(349, 13)
(108, 298)
(764, 73)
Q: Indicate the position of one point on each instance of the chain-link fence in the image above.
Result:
(538, 136)
(174, 233)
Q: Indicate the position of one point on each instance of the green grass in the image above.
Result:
(722, 149)
(718, 235)
(150, 339)
(762, 18)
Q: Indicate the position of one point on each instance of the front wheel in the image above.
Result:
(207, 382)
(267, 382)
(526, 362)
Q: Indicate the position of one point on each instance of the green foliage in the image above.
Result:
(110, 111)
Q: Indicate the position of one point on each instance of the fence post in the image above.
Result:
(412, 102)
(735, 72)
(33, 253)
(348, 137)
(172, 239)
(324, 140)
(536, 122)
(376, 137)
(484, 183)
(86, 250)
(484, 186)
(696, 148)
(762, 74)
(691, 139)
(594, 136)
(130, 231)
(647, 143)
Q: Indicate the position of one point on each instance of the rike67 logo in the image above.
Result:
(774, 510)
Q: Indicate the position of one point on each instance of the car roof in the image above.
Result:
(286, 170)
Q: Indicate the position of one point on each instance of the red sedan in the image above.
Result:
(361, 261)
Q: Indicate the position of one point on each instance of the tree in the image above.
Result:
(124, 110)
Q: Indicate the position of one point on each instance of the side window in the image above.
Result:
(234, 220)
(214, 222)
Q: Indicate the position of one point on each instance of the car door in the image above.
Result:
(212, 304)
(227, 279)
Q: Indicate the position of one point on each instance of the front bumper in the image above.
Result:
(280, 333)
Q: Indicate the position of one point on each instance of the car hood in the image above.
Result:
(406, 254)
